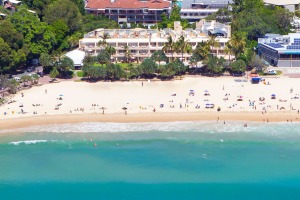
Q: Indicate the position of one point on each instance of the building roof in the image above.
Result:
(282, 43)
(282, 3)
(15, 1)
(127, 4)
(77, 56)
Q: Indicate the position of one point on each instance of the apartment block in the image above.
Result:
(143, 42)
(147, 12)
(194, 10)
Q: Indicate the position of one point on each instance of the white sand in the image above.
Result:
(116, 95)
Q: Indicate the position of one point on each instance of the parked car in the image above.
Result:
(41, 74)
(272, 72)
(238, 74)
(17, 78)
(30, 69)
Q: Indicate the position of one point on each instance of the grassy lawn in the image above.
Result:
(79, 74)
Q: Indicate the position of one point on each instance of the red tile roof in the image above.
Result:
(127, 4)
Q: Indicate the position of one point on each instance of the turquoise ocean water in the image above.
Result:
(178, 160)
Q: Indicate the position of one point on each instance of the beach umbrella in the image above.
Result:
(125, 109)
(103, 110)
(61, 95)
(205, 90)
(273, 95)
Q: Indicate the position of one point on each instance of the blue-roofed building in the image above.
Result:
(280, 50)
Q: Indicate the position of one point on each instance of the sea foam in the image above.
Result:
(30, 142)
(201, 126)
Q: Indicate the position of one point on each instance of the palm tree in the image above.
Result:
(127, 53)
(169, 46)
(110, 50)
(238, 44)
(183, 45)
(214, 43)
(228, 50)
(203, 49)
(103, 42)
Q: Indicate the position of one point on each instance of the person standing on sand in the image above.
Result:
(142, 84)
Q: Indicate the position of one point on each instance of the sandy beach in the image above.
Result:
(189, 99)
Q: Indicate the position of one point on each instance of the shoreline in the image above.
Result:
(23, 122)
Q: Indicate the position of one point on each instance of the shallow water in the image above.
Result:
(178, 160)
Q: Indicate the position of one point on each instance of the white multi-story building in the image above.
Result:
(194, 10)
(143, 42)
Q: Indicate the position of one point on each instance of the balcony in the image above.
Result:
(143, 45)
(143, 52)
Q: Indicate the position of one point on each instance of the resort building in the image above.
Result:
(141, 43)
(194, 10)
(147, 12)
(291, 5)
(280, 50)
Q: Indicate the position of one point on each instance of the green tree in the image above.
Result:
(238, 44)
(256, 63)
(179, 67)
(4, 81)
(215, 64)
(114, 71)
(159, 56)
(80, 5)
(37, 5)
(131, 71)
(54, 73)
(6, 57)
(202, 51)
(103, 58)
(64, 65)
(73, 40)
(213, 43)
(92, 22)
(127, 53)
(38, 38)
(60, 28)
(167, 71)
(10, 35)
(148, 67)
(169, 46)
(110, 50)
(94, 72)
(46, 60)
(238, 66)
(183, 45)
(13, 86)
(103, 42)
(66, 11)
(26, 79)
(35, 78)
